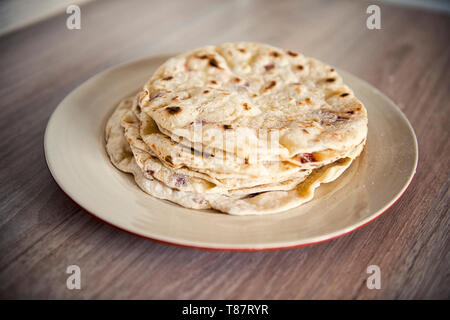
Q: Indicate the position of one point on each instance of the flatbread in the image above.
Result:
(189, 180)
(121, 155)
(222, 164)
(243, 93)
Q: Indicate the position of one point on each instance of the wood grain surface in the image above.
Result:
(42, 231)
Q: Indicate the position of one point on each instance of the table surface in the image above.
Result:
(42, 231)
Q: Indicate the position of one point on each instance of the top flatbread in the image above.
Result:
(257, 98)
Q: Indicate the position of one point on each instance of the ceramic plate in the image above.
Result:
(75, 153)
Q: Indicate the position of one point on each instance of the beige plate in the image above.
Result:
(75, 152)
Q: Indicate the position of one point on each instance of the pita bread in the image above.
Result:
(122, 157)
(243, 128)
(242, 93)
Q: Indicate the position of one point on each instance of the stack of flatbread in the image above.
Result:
(244, 128)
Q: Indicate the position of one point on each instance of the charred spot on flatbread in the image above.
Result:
(173, 110)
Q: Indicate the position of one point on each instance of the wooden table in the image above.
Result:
(42, 231)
